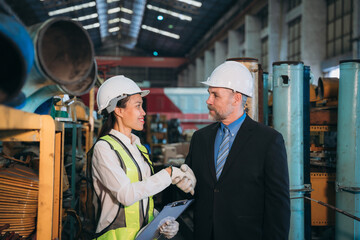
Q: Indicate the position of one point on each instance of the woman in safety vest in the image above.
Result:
(122, 173)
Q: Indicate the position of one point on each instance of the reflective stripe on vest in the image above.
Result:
(132, 212)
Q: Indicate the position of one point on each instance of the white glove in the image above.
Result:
(169, 229)
(189, 173)
(188, 183)
(177, 175)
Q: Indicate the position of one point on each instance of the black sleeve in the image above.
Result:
(188, 159)
(277, 196)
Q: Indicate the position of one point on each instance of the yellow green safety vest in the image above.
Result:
(129, 219)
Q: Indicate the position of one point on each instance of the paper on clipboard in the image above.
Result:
(172, 210)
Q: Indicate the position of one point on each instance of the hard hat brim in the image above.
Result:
(112, 104)
(144, 93)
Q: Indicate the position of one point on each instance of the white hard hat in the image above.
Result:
(115, 89)
(232, 75)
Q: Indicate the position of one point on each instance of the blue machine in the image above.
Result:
(288, 79)
(348, 151)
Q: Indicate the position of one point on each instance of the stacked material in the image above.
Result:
(18, 199)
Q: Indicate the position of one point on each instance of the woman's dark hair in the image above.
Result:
(110, 119)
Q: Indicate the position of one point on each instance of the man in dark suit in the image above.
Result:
(242, 189)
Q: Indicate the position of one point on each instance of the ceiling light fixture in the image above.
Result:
(118, 9)
(95, 25)
(116, 20)
(114, 29)
(111, 1)
(162, 32)
(191, 2)
(171, 13)
(72, 8)
(86, 17)
(124, 20)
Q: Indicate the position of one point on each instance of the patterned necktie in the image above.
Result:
(223, 152)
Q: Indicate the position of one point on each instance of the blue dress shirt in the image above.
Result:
(234, 128)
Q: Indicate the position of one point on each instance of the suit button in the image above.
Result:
(216, 190)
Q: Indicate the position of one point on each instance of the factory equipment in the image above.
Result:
(47, 92)
(348, 157)
(288, 111)
(64, 62)
(17, 57)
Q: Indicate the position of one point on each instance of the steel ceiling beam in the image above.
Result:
(132, 61)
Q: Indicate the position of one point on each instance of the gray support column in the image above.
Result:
(192, 75)
(186, 77)
(220, 53)
(209, 64)
(181, 79)
(242, 50)
(313, 35)
(277, 32)
(252, 37)
(199, 71)
(234, 44)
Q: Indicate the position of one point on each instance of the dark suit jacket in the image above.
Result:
(251, 198)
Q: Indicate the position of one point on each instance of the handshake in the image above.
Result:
(184, 178)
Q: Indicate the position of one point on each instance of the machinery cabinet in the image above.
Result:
(19, 126)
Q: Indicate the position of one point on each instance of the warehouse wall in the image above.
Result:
(277, 30)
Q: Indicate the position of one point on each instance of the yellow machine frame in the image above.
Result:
(19, 126)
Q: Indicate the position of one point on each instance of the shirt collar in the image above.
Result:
(234, 126)
(134, 139)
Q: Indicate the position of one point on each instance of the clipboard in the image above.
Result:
(172, 210)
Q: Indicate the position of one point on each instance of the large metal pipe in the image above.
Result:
(17, 57)
(83, 87)
(47, 92)
(252, 104)
(327, 88)
(348, 151)
(288, 79)
(64, 54)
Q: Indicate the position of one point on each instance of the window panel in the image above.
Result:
(330, 31)
(297, 46)
(347, 6)
(296, 31)
(330, 49)
(347, 23)
(331, 12)
(338, 46)
(338, 28)
(294, 39)
(338, 9)
(293, 3)
(347, 43)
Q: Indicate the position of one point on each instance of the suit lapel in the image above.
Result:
(240, 141)
(210, 138)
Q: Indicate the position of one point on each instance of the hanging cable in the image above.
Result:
(332, 207)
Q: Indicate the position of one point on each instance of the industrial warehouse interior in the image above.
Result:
(180, 119)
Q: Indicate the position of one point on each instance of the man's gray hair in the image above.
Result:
(244, 98)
